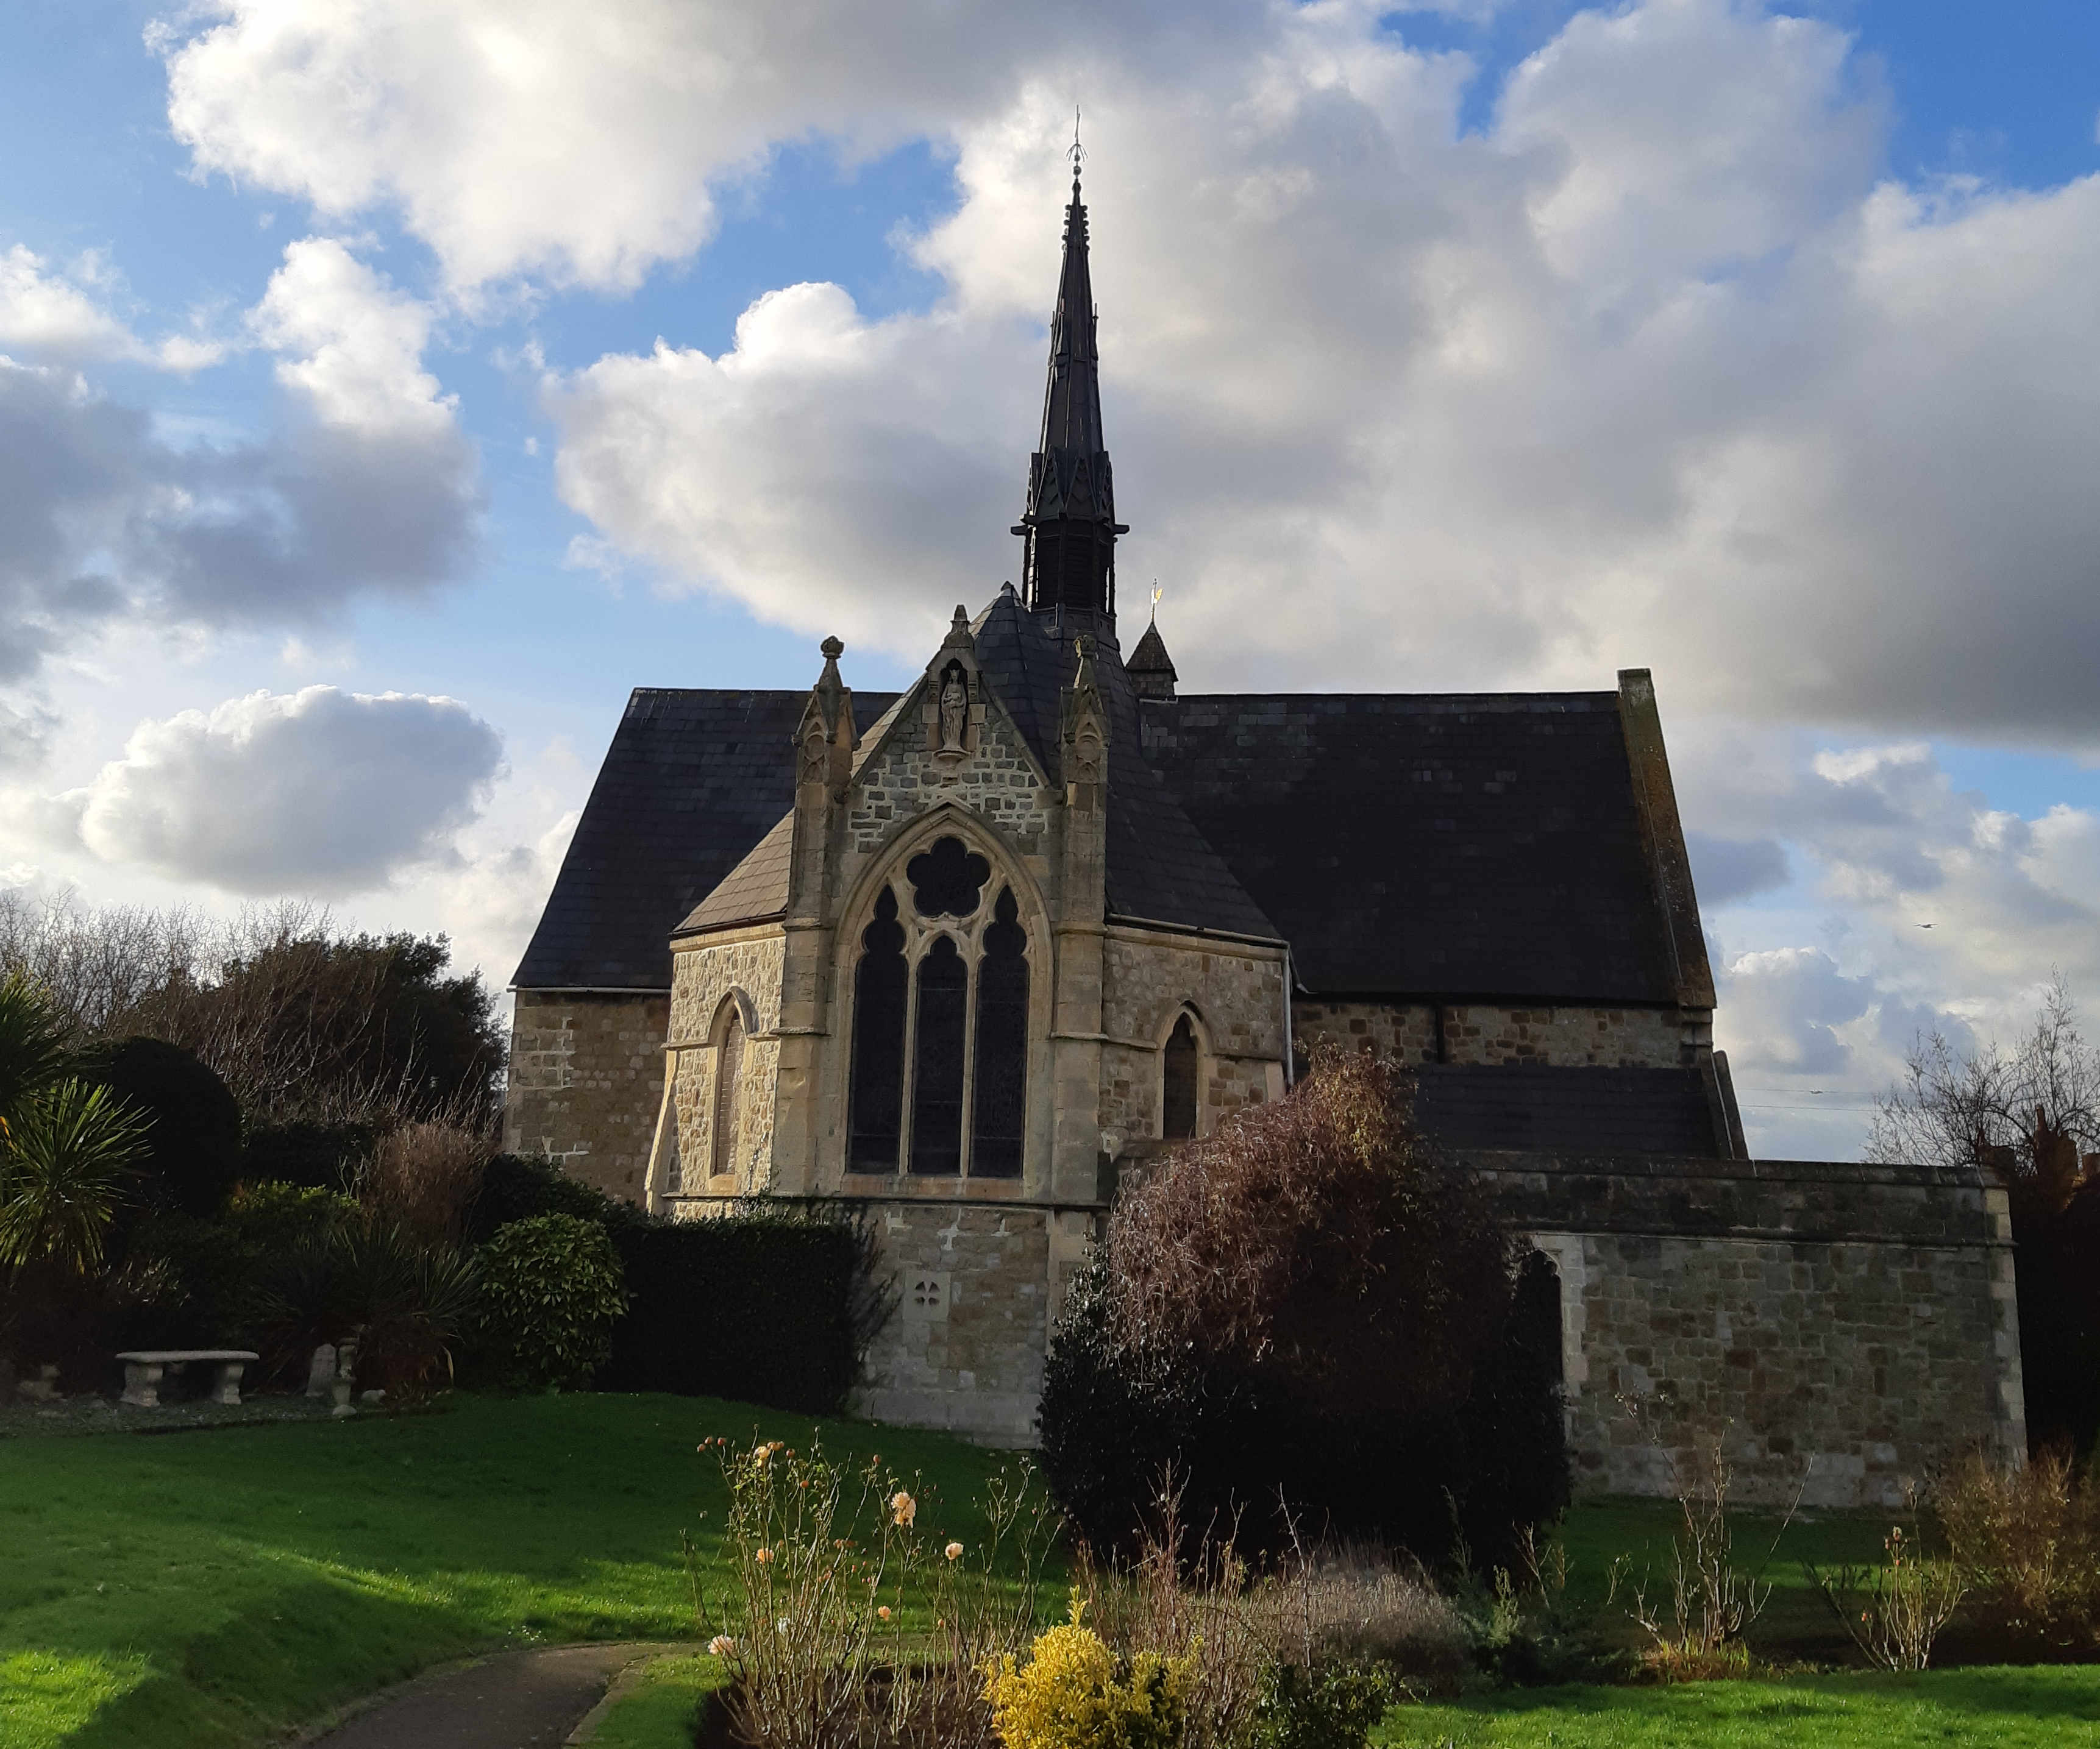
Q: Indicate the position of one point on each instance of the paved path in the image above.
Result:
(515, 1700)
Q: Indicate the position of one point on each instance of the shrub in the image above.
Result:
(2028, 1540)
(763, 1305)
(1328, 1707)
(424, 1177)
(1073, 1693)
(191, 1122)
(217, 1277)
(1893, 1613)
(322, 1155)
(551, 1289)
(515, 1188)
(407, 1306)
(1304, 1306)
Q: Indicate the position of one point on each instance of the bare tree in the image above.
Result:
(302, 1023)
(2033, 1108)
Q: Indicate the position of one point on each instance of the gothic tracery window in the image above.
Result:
(950, 976)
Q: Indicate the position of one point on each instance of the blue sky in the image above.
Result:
(1511, 344)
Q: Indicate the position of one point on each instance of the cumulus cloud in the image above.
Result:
(1658, 370)
(368, 484)
(318, 791)
(44, 314)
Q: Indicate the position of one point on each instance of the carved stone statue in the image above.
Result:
(955, 711)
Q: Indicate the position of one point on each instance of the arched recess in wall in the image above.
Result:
(1180, 1080)
(942, 989)
(725, 1127)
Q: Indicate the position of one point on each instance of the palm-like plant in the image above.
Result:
(66, 1145)
(69, 1147)
(33, 1054)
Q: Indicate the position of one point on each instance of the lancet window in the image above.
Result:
(728, 1085)
(940, 1025)
(1178, 1078)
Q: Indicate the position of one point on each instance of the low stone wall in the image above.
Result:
(586, 1082)
(1855, 1323)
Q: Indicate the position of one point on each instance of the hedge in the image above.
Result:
(759, 1307)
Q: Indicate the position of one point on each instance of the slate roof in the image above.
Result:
(692, 781)
(1160, 868)
(1535, 1108)
(1481, 846)
(1484, 845)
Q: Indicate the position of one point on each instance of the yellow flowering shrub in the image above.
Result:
(1073, 1693)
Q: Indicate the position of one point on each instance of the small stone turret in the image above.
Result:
(1150, 668)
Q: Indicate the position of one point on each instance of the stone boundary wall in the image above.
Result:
(1562, 1037)
(1854, 1322)
(586, 1079)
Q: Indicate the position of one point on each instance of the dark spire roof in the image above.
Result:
(1150, 668)
(1069, 523)
(1072, 404)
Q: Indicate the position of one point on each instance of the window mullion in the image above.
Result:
(972, 968)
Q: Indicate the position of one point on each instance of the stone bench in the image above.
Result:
(142, 1367)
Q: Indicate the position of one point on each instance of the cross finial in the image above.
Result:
(1156, 593)
(1076, 152)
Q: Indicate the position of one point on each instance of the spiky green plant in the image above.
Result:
(70, 1146)
(33, 1040)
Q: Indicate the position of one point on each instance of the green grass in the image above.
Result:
(1796, 1623)
(1941, 1709)
(662, 1711)
(214, 1588)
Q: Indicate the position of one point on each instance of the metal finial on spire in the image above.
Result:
(1156, 593)
(1076, 152)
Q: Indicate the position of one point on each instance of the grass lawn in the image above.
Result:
(215, 1587)
(1985, 1708)
(218, 1588)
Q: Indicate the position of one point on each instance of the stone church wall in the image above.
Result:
(700, 979)
(586, 1078)
(978, 1285)
(1564, 1037)
(1237, 994)
(1858, 1321)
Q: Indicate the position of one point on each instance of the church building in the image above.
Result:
(966, 953)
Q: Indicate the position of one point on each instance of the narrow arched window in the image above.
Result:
(937, 1060)
(876, 1123)
(728, 1085)
(998, 1095)
(1177, 1109)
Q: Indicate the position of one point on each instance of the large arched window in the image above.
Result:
(950, 974)
(997, 1105)
(882, 986)
(728, 1085)
(1178, 1078)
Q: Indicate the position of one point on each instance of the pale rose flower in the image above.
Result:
(955, 1551)
(763, 1556)
(721, 1645)
(904, 1507)
(882, 1610)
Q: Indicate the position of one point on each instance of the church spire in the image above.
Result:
(1069, 524)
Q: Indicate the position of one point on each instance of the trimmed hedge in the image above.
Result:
(773, 1304)
(759, 1307)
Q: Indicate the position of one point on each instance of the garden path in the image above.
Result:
(515, 1700)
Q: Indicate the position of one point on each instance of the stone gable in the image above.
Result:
(999, 783)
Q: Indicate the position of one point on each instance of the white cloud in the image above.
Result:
(318, 791)
(351, 346)
(1654, 373)
(46, 315)
(368, 484)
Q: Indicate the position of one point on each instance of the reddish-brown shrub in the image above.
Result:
(423, 1176)
(1306, 1305)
